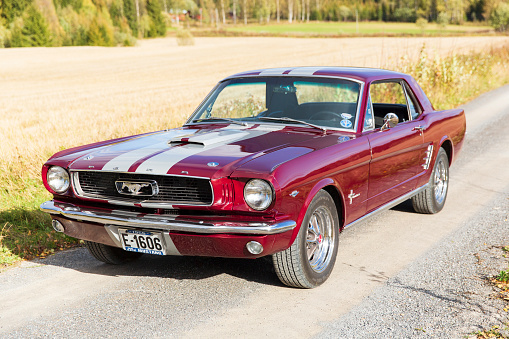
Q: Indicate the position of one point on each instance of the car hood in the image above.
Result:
(202, 151)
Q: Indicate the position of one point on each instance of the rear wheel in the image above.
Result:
(432, 199)
(109, 254)
(310, 259)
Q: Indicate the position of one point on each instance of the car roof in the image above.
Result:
(357, 73)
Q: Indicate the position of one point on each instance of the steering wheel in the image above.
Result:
(325, 115)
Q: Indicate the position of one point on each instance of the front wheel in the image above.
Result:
(109, 254)
(432, 199)
(310, 259)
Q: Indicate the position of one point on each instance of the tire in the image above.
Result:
(309, 261)
(109, 254)
(432, 199)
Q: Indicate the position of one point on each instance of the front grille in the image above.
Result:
(172, 189)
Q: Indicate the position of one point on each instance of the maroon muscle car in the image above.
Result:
(273, 162)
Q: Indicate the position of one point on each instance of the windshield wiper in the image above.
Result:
(286, 119)
(221, 119)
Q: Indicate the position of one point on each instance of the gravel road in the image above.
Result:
(399, 275)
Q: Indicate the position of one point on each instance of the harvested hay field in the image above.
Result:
(53, 98)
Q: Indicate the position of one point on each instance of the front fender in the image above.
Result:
(309, 197)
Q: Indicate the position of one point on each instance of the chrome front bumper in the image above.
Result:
(160, 222)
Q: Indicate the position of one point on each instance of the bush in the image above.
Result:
(422, 23)
(500, 17)
(184, 37)
(443, 20)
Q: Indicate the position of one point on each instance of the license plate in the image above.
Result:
(142, 241)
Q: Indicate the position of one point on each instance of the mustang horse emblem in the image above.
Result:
(136, 187)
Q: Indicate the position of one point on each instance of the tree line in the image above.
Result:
(121, 22)
(26, 23)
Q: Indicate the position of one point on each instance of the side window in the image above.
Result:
(389, 97)
(369, 122)
(413, 107)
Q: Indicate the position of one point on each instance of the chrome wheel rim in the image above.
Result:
(440, 182)
(320, 239)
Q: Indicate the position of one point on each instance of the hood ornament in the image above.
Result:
(213, 164)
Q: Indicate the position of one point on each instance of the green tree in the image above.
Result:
(75, 4)
(99, 34)
(10, 9)
(35, 29)
(157, 25)
(500, 17)
(130, 15)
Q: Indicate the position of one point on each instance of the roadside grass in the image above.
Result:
(25, 232)
(452, 81)
(369, 28)
(501, 284)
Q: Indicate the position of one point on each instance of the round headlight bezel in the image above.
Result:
(55, 174)
(258, 194)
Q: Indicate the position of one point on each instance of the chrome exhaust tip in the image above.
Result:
(57, 226)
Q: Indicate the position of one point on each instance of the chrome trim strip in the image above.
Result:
(75, 183)
(387, 206)
(130, 219)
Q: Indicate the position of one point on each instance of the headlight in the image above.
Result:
(258, 194)
(58, 179)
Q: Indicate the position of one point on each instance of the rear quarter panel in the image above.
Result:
(445, 129)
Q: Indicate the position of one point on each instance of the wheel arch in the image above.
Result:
(338, 201)
(446, 144)
(331, 187)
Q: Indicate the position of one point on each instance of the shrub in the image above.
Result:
(443, 20)
(184, 37)
(422, 23)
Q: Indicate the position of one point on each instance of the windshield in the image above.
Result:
(324, 102)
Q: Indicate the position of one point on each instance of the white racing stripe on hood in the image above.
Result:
(124, 161)
(161, 163)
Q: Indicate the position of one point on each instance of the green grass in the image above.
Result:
(25, 231)
(350, 28)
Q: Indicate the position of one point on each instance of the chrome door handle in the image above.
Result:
(419, 128)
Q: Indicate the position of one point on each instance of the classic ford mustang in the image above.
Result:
(273, 162)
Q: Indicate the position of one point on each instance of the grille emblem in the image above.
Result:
(137, 188)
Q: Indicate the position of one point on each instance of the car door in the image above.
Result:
(396, 152)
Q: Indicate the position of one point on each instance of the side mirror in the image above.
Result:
(390, 120)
